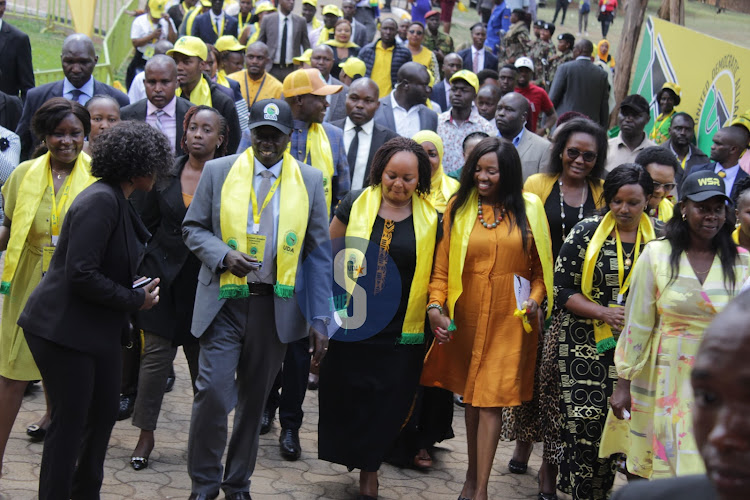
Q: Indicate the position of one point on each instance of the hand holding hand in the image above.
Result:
(439, 323)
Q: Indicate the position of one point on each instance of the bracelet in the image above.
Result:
(435, 306)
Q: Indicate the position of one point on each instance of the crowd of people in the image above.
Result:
(553, 277)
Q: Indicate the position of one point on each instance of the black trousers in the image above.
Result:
(292, 380)
(83, 391)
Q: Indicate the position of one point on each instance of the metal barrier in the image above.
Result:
(110, 21)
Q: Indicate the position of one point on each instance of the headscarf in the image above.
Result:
(442, 187)
(605, 57)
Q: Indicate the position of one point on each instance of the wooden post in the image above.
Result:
(635, 10)
(664, 10)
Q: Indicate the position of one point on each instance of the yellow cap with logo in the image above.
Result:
(228, 43)
(190, 46)
(353, 67)
(307, 81)
(468, 77)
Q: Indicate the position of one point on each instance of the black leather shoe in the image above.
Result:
(126, 406)
(170, 381)
(289, 444)
(240, 495)
(266, 421)
(202, 496)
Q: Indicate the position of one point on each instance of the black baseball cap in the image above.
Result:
(636, 102)
(568, 38)
(702, 185)
(272, 112)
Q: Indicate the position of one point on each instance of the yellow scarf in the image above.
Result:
(347, 45)
(201, 94)
(190, 18)
(665, 210)
(364, 211)
(602, 331)
(30, 192)
(442, 187)
(235, 203)
(256, 33)
(316, 23)
(324, 36)
(459, 244)
(221, 78)
(320, 156)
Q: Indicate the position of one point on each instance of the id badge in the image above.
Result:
(256, 246)
(47, 253)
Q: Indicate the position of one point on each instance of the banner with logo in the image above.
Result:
(710, 71)
(83, 15)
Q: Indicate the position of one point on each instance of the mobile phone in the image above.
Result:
(141, 282)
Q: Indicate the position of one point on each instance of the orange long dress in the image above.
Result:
(491, 359)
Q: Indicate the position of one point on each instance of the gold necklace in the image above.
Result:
(58, 173)
(628, 260)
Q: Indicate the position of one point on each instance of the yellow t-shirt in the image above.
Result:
(381, 70)
(424, 58)
(271, 88)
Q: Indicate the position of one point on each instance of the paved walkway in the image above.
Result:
(274, 478)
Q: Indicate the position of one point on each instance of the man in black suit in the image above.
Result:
(16, 72)
(190, 54)
(402, 110)
(362, 136)
(359, 30)
(720, 417)
(478, 57)
(728, 145)
(78, 60)
(451, 63)
(161, 109)
(10, 110)
(286, 36)
(582, 86)
(210, 25)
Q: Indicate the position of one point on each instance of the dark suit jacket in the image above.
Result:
(337, 109)
(380, 135)
(16, 71)
(10, 111)
(581, 86)
(490, 60)
(223, 103)
(137, 111)
(39, 95)
(741, 174)
(697, 157)
(360, 33)
(428, 119)
(684, 488)
(438, 96)
(91, 274)
(203, 29)
(269, 34)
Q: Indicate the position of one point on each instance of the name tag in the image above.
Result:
(256, 246)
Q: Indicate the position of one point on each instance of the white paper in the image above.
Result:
(522, 288)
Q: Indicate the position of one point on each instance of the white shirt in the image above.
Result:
(275, 201)
(87, 90)
(289, 36)
(363, 150)
(142, 26)
(137, 90)
(731, 176)
(447, 94)
(407, 122)
(474, 51)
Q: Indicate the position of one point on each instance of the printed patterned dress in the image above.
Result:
(664, 328)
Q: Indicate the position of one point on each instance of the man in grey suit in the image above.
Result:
(247, 337)
(285, 34)
(582, 86)
(362, 136)
(322, 59)
(401, 110)
(510, 118)
(359, 30)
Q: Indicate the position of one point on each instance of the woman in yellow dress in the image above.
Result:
(419, 53)
(36, 197)
(679, 284)
(494, 237)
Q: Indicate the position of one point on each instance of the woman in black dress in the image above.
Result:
(368, 385)
(166, 327)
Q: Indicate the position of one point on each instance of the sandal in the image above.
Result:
(517, 467)
(36, 433)
(139, 463)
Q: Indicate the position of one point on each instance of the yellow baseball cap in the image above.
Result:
(743, 120)
(674, 88)
(228, 43)
(332, 9)
(314, 3)
(262, 7)
(190, 46)
(304, 58)
(308, 81)
(353, 67)
(156, 8)
(466, 76)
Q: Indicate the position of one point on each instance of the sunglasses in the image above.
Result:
(669, 186)
(588, 156)
(412, 32)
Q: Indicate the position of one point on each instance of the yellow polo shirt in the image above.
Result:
(381, 70)
(271, 88)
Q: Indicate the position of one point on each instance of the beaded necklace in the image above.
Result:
(562, 205)
(481, 217)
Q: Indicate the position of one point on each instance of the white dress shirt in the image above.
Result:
(289, 37)
(363, 150)
(731, 176)
(474, 52)
(407, 122)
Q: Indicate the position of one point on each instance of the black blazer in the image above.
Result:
(490, 60)
(438, 96)
(38, 96)
(90, 277)
(10, 111)
(741, 174)
(16, 72)
(203, 29)
(380, 135)
(137, 112)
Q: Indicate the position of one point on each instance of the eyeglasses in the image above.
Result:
(412, 32)
(669, 186)
(588, 156)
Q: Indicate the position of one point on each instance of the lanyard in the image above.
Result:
(215, 27)
(247, 86)
(620, 268)
(658, 123)
(256, 212)
(246, 20)
(56, 209)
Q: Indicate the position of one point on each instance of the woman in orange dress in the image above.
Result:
(486, 342)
